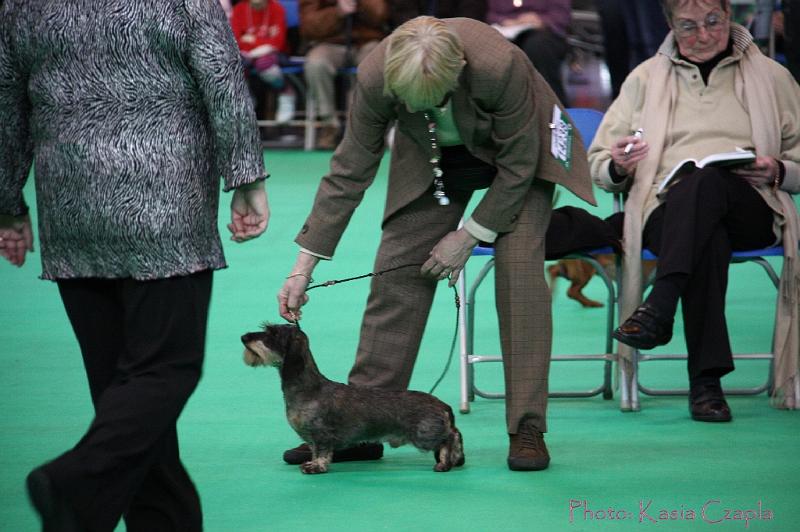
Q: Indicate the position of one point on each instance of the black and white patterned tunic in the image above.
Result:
(130, 111)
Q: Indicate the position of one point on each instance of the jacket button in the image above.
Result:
(514, 218)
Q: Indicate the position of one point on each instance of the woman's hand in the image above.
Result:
(761, 172)
(625, 163)
(293, 295)
(449, 256)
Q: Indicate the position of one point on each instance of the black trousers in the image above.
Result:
(143, 345)
(705, 217)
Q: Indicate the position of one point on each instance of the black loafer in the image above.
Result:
(364, 451)
(645, 329)
(57, 515)
(707, 403)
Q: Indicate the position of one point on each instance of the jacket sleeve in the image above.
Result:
(215, 65)
(619, 121)
(789, 103)
(16, 149)
(372, 13)
(515, 129)
(318, 21)
(352, 171)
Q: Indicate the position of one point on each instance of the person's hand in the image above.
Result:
(346, 7)
(293, 295)
(761, 172)
(449, 256)
(16, 238)
(625, 163)
(249, 212)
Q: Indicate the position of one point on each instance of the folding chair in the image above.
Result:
(587, 121)
(757, 256)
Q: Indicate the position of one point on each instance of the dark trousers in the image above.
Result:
(143, 344)
(706, 216)
(547, 51)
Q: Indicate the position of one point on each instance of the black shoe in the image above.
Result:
(707, 403)
(364, 451)
(645, 329)
(56, 514)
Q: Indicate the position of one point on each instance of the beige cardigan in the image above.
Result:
(771, 98)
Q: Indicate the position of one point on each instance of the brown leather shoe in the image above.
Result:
(364, 451)
(526, 450)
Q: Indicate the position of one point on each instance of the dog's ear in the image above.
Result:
(297, 355)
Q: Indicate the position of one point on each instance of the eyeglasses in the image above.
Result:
(689, 28)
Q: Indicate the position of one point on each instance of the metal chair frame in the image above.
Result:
(756, 256)
(586, 120)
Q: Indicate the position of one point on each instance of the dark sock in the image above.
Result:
(666, 292)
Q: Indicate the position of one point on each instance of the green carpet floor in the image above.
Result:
(655, 469)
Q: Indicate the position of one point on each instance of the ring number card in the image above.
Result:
(561, 138)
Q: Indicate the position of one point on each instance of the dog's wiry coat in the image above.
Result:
(330, 415)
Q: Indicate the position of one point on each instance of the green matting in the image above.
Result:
(233, 430)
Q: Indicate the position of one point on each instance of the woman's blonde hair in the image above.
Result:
(424, 58)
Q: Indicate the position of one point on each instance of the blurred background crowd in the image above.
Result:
(300, 56)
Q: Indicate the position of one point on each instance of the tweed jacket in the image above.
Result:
(131, 112)
(502, 109)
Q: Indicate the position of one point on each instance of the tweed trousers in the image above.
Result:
(399, 303)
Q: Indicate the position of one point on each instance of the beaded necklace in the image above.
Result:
(438, 184)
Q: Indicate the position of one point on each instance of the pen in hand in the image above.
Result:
(638, 134)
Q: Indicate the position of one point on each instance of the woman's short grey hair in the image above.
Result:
(670, 6)
(424, 58)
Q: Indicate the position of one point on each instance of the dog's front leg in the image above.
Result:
(320, 458)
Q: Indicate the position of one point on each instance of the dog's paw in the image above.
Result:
(313, 468)
(442, 467)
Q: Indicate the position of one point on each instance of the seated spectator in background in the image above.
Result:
(632, 33)
(708, 90)
(260, 30)
(539, 27)
(341, 33)
(403, 10)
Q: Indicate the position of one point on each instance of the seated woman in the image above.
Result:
(708, 89)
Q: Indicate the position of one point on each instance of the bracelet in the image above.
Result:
(300, 274)
(777, 181)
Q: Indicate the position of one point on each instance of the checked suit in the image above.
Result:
(502, 109)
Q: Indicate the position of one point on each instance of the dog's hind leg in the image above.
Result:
(320, 458)
(451, 453)
(457, 452)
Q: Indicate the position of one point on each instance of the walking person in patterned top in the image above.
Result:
(131, 112)
(471, 113)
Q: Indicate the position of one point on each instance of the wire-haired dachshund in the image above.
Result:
(329, 415)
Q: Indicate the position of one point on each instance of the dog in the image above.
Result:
(579, 273)
(330, 415)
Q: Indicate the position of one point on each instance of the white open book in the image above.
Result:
(739, 157)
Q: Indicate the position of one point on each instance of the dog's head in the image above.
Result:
(270, 346)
